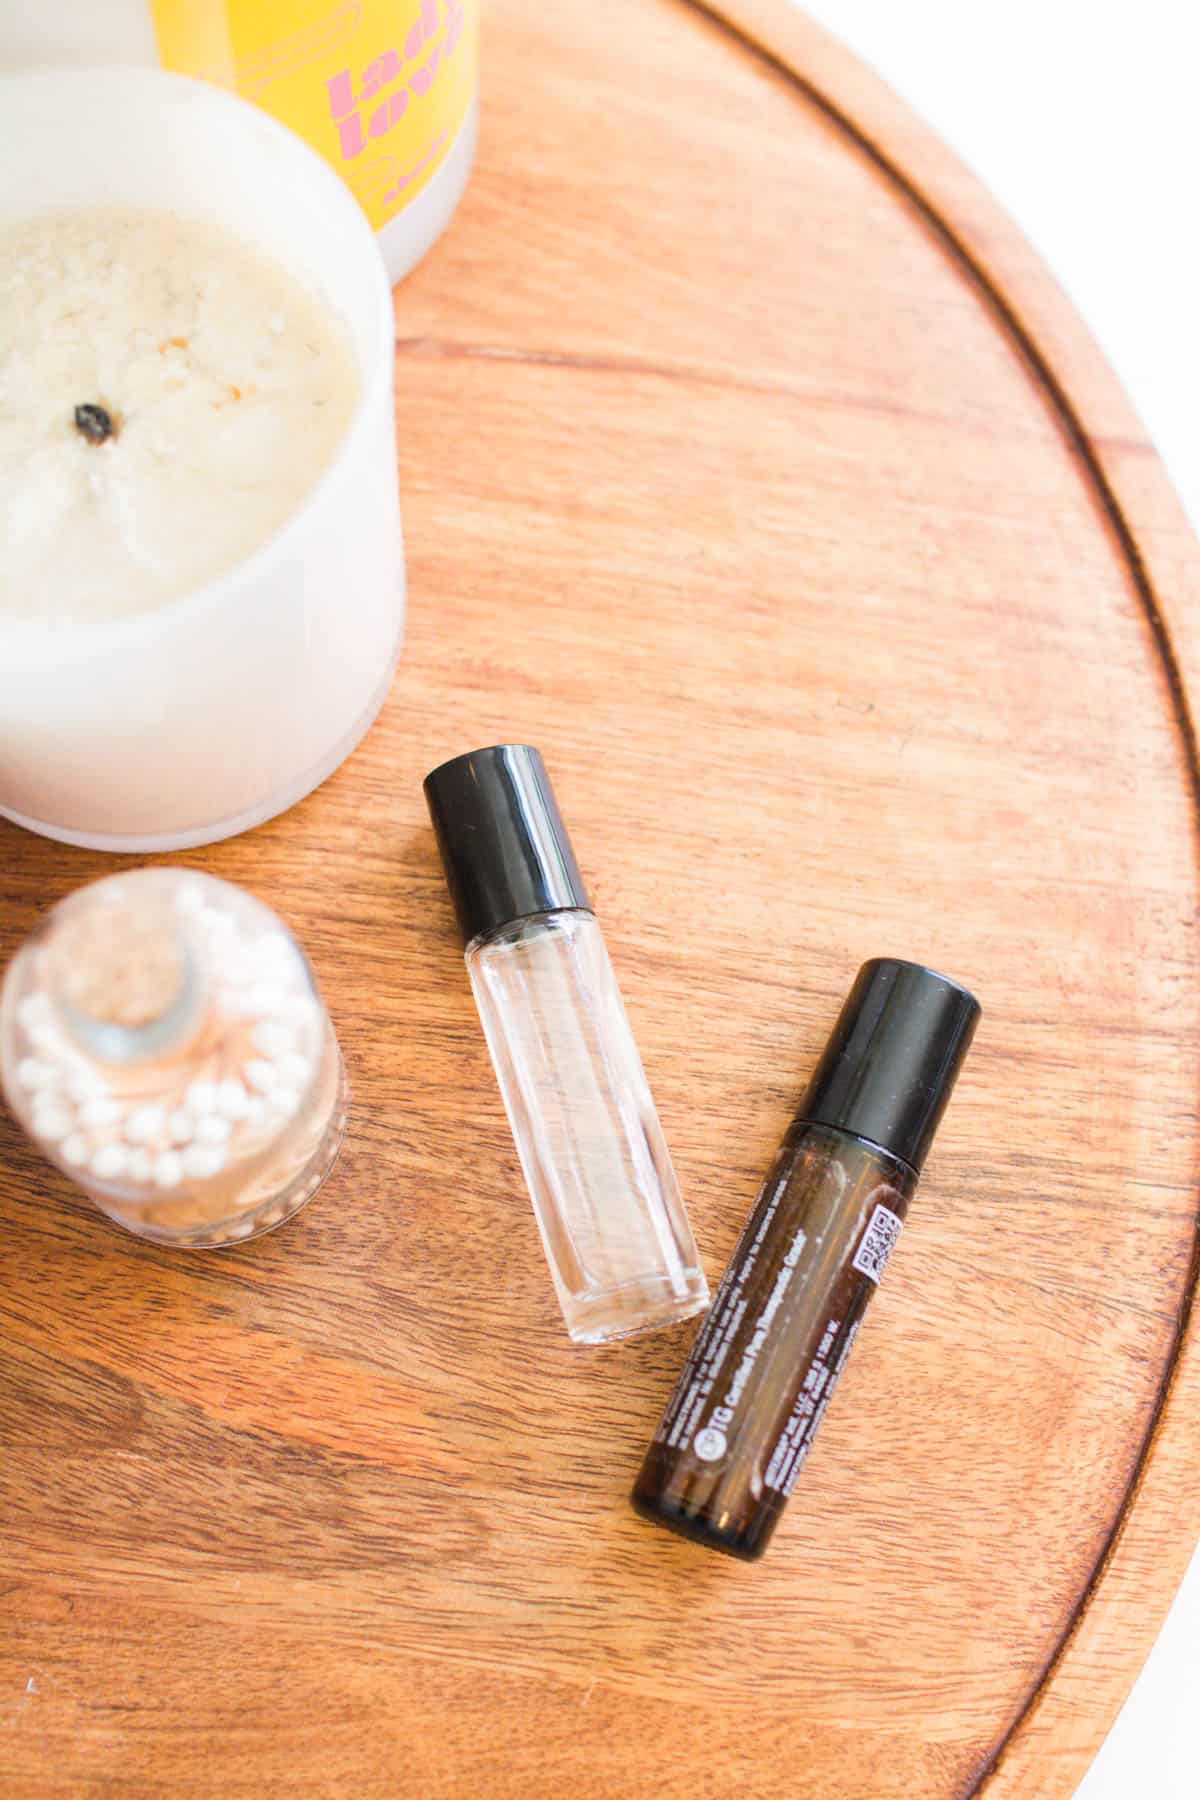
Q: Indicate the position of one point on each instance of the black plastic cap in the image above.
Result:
(504, 846)
(893, 1058)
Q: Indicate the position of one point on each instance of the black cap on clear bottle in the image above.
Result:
(889, 1066)
(504, 846)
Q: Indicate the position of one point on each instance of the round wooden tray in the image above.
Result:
(754, 469)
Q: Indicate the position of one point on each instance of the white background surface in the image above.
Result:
(1081, 117)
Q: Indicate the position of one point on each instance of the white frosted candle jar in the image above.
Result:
(199, 716)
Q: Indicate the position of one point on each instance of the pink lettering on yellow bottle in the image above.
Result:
(422, 30)
(423, 77)
(377, 74)
(385, 97)
(340, 89)
(350, 136)
(388, 112)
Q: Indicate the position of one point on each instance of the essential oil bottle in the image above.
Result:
(764, 1366)
(616, 1236)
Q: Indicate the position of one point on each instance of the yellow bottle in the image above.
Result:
(385, 90)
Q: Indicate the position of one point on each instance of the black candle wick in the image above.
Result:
(95, 423)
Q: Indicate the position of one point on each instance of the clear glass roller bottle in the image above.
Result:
(162, 1042)
(616, 1236)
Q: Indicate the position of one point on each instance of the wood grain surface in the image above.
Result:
(754, 469)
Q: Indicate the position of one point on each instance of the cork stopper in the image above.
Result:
(121, 974)
(120, 964)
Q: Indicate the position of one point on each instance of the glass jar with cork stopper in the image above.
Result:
(163, 1042)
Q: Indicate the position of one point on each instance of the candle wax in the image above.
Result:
(228, 386)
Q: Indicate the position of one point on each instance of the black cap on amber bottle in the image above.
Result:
(504, 846)
(892, 1059)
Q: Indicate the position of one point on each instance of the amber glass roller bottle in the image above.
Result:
(768, 1356)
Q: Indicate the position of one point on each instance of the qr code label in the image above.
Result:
(879, 1240)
